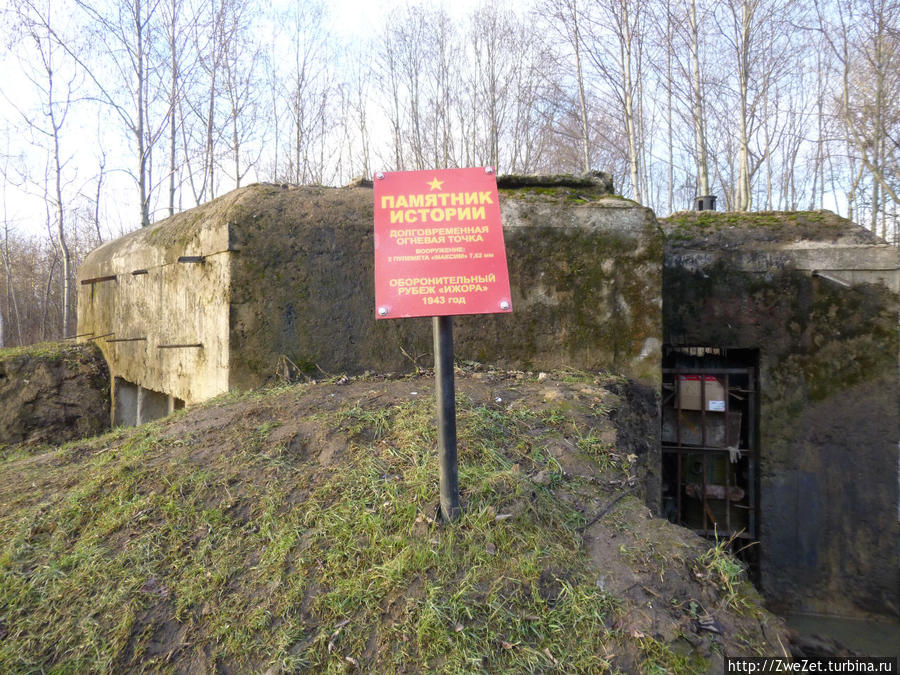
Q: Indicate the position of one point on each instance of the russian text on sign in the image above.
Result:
(439, 244)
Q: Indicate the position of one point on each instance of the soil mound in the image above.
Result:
(52, 393)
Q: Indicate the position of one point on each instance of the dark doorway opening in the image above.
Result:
(710, 450)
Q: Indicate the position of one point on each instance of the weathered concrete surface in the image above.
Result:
(52, 393)
(812, 241)
(596, 182)
(154, 300)
(584, 292)
(828, 417)
(289, 273)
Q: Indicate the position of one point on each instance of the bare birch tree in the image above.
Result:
(122, 65)
(46, 75)
(177, 17)
(864, 38)
(565, 17)
(619, 62)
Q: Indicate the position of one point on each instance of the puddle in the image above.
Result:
(870, 638)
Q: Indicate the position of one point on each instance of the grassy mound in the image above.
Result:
(295, 531)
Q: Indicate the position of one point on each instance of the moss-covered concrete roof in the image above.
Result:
(288, 270)
(207, 228)
(722, 229)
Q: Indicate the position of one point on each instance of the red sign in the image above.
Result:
(439, 244)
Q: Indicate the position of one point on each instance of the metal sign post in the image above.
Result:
(445, 393)
(439, 251)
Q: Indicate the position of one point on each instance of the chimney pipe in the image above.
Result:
(705, 203)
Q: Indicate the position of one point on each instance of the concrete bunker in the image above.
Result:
(266, 279)
(783, 328)
(770, 340)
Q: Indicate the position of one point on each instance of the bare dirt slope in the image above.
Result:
(52, 393)
(294, 530)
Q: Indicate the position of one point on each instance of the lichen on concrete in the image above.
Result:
(585, 280)
(285, 275)
(723, 227)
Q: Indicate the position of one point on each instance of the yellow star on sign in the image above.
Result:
(436, 184)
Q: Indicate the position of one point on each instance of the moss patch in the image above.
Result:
(759, 227)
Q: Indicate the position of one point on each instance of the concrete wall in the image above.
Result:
(829, 392)
(585, 275)
(136, 294)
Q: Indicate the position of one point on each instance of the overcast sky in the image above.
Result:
(21, 201)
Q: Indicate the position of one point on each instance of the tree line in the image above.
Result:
(769, 104)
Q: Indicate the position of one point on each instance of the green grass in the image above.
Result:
(53, 351)
(725, 572)
(156, 553)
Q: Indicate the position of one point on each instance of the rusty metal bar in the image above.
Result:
(727, 410)
(680, 457)
(728, 463)
(127, 339)
(191, 259)
(752, 465)
(703, 410)
(710, 371)
(137, 272)
(703, 494)
(678, 408)
(97, 337)
(97, 280)
(728, 495)
(192, 345)
(700, 449)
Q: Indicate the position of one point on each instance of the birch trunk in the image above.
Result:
(669, 127)
(11, 299)
(173, 93)
(697, 88)
(141, 85)
(747, 9)
(579, 73)
(630, 130)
